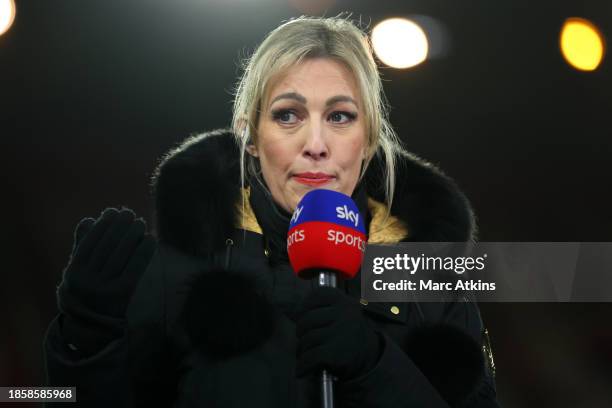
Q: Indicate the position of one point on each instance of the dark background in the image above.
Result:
(92, 93)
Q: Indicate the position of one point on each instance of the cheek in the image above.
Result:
(353, 156)
(275, 158)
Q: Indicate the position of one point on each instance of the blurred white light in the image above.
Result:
(400, 43)
(7, 15)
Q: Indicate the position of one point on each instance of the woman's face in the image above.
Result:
(311, 132)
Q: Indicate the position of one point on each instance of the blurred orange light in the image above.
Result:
(312, 7)
(582, 44)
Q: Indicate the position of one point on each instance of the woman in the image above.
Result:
(211, 313)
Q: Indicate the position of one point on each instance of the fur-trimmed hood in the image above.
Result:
(196, 185)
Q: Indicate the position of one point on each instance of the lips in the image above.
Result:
(313, 179)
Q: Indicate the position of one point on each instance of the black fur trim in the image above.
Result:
(225, 315)
(195, 187)
(450, 359)
(196, 184)
(428, 201)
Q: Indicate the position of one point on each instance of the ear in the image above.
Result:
(252, 150)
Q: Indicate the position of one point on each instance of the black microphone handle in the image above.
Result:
(327, 278)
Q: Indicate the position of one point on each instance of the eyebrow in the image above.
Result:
(300, 98)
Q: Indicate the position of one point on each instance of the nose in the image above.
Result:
(315, 145)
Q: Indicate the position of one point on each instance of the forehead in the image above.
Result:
(314, 76)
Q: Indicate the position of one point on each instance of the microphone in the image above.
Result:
(326, 233)
(326, 238)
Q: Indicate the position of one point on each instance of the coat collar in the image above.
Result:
(383, 229)
(197, 198)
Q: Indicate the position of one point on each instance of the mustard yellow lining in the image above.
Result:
(246, 219)
(383, 229)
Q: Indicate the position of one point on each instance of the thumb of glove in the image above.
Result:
(82, 228)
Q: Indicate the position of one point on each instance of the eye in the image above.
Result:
(286, 116)
(342, 117)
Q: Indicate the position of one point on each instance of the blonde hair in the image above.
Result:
(316, 37)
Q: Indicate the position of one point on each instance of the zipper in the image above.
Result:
(229, 243)
(266, 248)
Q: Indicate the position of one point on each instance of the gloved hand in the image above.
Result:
(108, 258)
(333, 334)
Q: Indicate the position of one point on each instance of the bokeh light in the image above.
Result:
(582, 44)
(312, 7)
(399, 43)
(7, 15)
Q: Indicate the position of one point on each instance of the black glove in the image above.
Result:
(227, 311)
(108, 258)
(333, 334)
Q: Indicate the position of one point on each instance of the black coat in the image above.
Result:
(434, 354)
